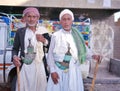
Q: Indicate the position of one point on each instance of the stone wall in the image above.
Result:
(115, 66)
(108, 19)
(105, 37)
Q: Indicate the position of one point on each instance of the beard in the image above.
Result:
(67, 28)
(32, 25)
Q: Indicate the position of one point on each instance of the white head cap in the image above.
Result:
(66, 11)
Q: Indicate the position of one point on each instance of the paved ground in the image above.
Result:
(105, 81)
(104, 87)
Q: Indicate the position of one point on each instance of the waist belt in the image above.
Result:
(65, 64)
(62, 65)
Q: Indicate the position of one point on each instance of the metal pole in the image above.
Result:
(4, 66)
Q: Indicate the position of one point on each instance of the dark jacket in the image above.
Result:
(18, 45)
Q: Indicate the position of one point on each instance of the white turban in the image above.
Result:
(66, 11)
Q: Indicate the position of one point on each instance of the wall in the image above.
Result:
(102, 40)
(98, 4)
(117, 40)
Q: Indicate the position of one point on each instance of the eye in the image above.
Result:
(29, 16)
(34, 16)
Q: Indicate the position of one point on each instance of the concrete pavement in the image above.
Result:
(105, 80)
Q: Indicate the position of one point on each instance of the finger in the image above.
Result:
(57, 76)
(16, 62)
(55, 81)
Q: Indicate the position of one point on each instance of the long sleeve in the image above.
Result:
(50, 58)
(16, 44)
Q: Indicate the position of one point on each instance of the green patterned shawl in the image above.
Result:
(79, 41)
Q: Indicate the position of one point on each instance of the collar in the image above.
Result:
(67, 32)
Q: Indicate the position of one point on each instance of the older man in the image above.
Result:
(67, 51)
(32, 74)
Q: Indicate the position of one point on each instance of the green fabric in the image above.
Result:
(78, 38)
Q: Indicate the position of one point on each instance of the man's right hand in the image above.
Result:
(55, 77)
(16, 61)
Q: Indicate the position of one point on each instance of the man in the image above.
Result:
(65, 74)
(32, 76)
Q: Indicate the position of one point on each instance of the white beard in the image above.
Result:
(32, 25)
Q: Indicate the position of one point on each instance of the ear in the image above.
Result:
(60, 21)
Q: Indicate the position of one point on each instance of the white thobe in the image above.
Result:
(72, 79)
(33, 77)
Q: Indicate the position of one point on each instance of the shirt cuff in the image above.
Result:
(52, 69)
(46, 43)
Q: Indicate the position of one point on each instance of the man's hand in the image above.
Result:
(55, 77)
(16, 61)
(40, 38)
(97, 58)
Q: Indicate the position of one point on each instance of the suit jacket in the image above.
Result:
(18, 45)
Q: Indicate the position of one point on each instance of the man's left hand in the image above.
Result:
(97, 58)
(40, 38)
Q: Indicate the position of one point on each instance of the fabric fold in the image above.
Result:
(80, 44)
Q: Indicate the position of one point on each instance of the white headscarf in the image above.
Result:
(66, 11)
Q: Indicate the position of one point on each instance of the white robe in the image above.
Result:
(71, 80)
(33, 77)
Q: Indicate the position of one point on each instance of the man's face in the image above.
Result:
(31, 19)
(66, 22)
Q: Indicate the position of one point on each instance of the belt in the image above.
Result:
(66, 64)
(62, 65)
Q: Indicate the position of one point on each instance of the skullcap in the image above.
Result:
(66, 11)
(31, 9)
